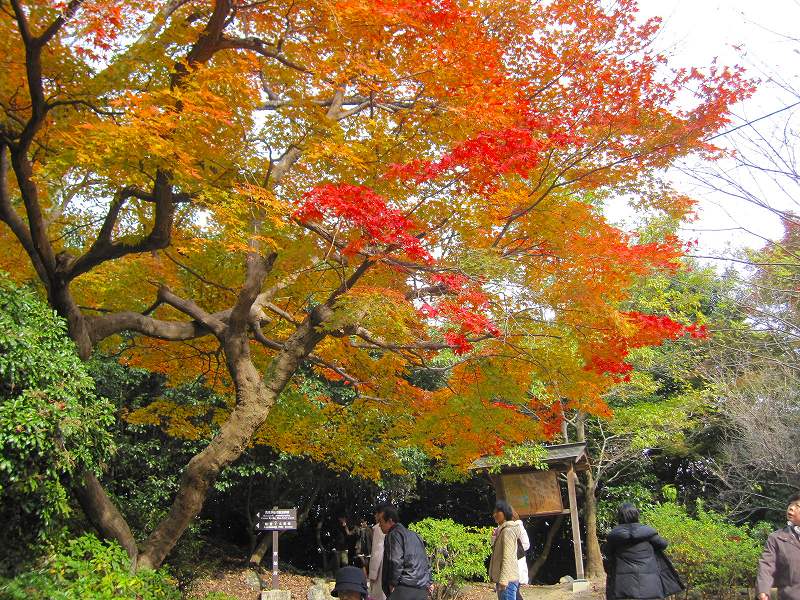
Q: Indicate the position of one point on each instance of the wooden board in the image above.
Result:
(532, 494)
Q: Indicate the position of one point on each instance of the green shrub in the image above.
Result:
(52, 424)
(636, 492)
(89, 569)
(713, 556)
(457, 554)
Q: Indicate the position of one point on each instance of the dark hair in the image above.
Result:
(505, 508)
(379, 508)
(793, 498)
(390, 513)
(627, 513)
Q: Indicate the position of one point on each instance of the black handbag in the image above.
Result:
(520, 549)
(671, 581)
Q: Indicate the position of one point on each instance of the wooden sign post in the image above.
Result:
(577, 546)
(276, 520)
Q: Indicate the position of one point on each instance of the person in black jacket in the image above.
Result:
(636, 565)
(406, 570)
(343, 537)
(363, 545)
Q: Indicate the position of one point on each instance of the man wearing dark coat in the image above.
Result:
(406, 570)
(636, 565)
(780, 562)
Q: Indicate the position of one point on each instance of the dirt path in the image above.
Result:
(483, 591)
(243, 585)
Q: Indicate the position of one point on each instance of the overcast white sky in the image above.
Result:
(694, 33)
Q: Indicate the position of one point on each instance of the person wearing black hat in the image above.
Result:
(351, 584)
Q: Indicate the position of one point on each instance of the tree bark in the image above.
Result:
(261, 549)
(62, 301)
(103, 513)
(594, 558)
(548, 544)
(255, 396)
(254, 403)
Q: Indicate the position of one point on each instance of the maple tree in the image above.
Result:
(662, 401)
(236, 189)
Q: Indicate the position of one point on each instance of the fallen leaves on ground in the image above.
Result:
(234, 582)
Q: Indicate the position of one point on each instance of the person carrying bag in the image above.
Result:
(636, 565)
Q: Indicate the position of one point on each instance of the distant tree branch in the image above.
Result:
(104, 249)
(207, 44)
(260, 47)
(189, 307)
(257, 267)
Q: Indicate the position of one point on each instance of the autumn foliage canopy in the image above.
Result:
(370, 189)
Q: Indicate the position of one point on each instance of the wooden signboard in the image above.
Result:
(533, 494)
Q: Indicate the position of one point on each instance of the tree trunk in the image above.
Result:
(254, 403)
(264, 546)
(255, 397)
(533, 570)
(62, 301)
(323, 550)
(103, 514)
(594, 558)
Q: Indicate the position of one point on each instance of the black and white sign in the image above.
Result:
(280, 519)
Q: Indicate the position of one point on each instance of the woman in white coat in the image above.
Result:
(376, 564)
(523, 562)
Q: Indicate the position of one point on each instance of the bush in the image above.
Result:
(714, 557)
(457, 554)
(52, 424)
(88, 569)
(636, 492)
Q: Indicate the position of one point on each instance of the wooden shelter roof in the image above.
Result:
(558, 458)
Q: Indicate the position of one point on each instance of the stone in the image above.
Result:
(580, 585)
(566, 579)
(276, 595)
(320, 590)
(252, 580)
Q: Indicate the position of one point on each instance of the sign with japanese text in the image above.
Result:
(533, 493)
(276, 519)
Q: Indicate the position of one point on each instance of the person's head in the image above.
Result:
(502, 512)
(793, 509)
(379, 508)
(363, 522)
(387, 518)
(351, 584)
(627, 513)
(342, 520)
